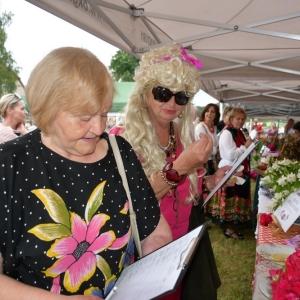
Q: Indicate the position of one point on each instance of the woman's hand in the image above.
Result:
(220, 173)
(22, 129)
(248, 142)
(194, 155)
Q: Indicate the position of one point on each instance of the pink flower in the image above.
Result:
(286, 282)
(77, 253)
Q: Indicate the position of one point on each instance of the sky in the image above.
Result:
(35, 32)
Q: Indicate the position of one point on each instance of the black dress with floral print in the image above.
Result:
(65, 225)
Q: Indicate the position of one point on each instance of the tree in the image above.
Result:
(123, 66)
(8, 72)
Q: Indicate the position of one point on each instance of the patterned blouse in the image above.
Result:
(65, 225)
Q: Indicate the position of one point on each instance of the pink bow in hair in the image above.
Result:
(194, 61)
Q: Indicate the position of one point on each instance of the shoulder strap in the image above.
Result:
(132, 214)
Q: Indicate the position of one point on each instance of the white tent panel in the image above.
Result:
(250, 49)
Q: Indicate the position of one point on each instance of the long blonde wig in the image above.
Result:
(168, 67)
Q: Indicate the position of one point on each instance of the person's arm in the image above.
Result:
(228, 148)
(161, 236)
(191, 158)
(11, 289)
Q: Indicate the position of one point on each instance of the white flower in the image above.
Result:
(270, 206)
(291, 177)
(266, 180)
(275, 166)
(285, 162)
(282, 181)
(282, 178)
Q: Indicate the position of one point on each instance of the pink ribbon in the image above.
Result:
(194, 61)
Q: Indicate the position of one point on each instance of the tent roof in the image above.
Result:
(250, 49)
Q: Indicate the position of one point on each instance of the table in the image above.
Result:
(263, 236)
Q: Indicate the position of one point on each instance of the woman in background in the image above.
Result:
(209, 120)
(225, 119)
(232, 205)
(13, 113)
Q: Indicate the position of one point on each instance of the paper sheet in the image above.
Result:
(156, 273)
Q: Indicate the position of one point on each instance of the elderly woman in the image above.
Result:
(234, 203)
(64, 211)
(13, 113)
(209, 120)
(158, 125)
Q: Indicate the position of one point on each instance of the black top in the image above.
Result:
(65, 225)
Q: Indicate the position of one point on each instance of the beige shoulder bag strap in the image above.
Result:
(132, 215)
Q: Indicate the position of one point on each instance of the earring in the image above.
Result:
(180, 116)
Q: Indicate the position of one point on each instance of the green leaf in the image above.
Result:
(50, 232)
(55, 206)
(94, 201)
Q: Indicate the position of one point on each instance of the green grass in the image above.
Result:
(235, 261)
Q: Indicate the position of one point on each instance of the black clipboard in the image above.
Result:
(158, 263)
(235, 165)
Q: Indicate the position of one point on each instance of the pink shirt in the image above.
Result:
(6, 133)
(178, 221)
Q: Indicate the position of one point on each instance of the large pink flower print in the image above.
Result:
(77, 241)
(77, 253)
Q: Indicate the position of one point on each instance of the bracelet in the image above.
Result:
(205, 183)
(171, 174)
(173, 184)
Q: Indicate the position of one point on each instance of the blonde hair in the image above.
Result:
(71, 79)
(168, 67)
(8, 101)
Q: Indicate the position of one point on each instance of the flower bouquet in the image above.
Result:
(283, 178)
(285, 282)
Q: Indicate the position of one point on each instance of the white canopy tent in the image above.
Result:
(250, 49)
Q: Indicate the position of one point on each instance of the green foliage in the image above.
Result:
(123, 66)
(8, 71)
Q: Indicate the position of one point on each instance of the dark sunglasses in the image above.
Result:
(162, 94)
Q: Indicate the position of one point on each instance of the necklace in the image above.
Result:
(170, 149)
(211, 129)
(173, 144)
(165, 148)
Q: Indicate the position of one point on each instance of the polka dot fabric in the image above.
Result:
(49, 204)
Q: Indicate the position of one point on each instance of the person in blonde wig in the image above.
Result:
(158, 125)
(13, 113)
(65, 226)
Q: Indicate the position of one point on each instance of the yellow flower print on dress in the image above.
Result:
(77, 242)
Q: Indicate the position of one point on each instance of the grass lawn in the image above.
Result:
(235, 261)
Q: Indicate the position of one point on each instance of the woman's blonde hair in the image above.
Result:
(70, 79)
(8, 101)
(168, 67)
(235, 111)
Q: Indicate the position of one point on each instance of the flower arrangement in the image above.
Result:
(285, 282)
(283, 178)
